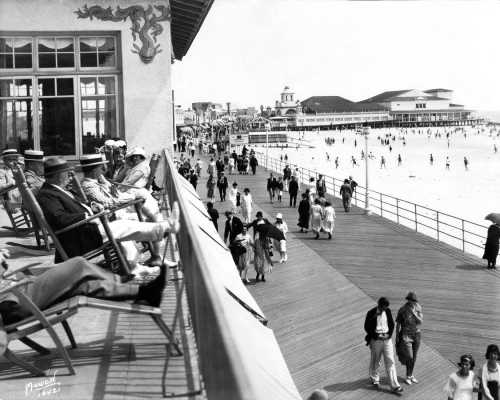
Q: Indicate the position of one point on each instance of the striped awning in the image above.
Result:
(187, 18)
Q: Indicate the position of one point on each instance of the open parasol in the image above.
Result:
(493, 217)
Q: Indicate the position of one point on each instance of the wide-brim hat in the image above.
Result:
(136, 151)
(91, 160)
(10, 153)
(411, 296)
(279, 216)
(33, 155)
(55, 165)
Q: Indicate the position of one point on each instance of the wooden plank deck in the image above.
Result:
(317, 301)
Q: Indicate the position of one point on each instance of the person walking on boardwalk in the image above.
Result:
(379, 327)
(211, 188)
(431, 159)
(271, 182)
(466, 163)
(304, 211)
(491, 246)
(329, 219)
(461, 384)
(346, 193)
(281, 244)
(262, 259)
(242, 251)
(253, 164)
(233, 227)
(408, 336)
(246, 205)
(293, 189)
(321, 186)
(287, 174)
(490, 374)
(447, 165)
(279, 188)
(316, 217)
(222, 184)
(233, 197)
(214, 214)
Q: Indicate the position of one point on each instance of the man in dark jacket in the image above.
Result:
(253, 163)
(293, 189)
(222, 184)
(379, 326)
(234, 226)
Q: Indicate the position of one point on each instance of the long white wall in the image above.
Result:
(147, 100)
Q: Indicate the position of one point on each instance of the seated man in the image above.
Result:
(74, 277)
(33, 169)
(99, 190)
(10, 157)
(62, 209)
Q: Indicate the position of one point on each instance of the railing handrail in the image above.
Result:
(378, 201)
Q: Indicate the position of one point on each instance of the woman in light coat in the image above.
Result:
(329, 219)
(246, 205)
(316, 217)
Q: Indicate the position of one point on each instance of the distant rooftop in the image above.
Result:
(437, 90)
(385, 96)
(326, 104)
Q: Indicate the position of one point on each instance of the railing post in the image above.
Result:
(463, 236)
(397, 211)
(416, 222)
(437, 225)
(381, 206)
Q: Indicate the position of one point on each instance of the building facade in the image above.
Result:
(73, 74)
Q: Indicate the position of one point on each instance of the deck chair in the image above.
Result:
(110, 249)
(59, 313)
(19, 218)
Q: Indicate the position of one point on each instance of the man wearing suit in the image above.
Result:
(293, 189)
(234, 226)
(379, 326)
(62, 209)
(222, 184)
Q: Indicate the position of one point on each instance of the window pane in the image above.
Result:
(47, 60)
(64, 44)
(6, 61)
(106, 59)
(22, 45)
(106, 44)
(64, 86)
(98, 122)
(6, 88)
(16, 124)
(88, 86)
(23, 61)
(88, 59)
(65, 60)
(46, 45)
(106, 85)
(5, 45)
(46, 87)
(88, 44)
(57, 126)
(22, 87)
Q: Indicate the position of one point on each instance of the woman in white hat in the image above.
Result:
(139, 171)
(281, 244)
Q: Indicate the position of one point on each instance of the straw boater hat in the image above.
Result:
(279, 216)
(10, 153)
(136, 151)
(92, 160)
(55, 165)
(33, 155)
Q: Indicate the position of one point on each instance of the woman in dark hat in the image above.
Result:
(491, 246)
(461, 384)
(304, 210)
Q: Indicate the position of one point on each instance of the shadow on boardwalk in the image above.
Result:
(317, 301)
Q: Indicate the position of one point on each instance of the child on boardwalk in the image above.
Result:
(281, 245)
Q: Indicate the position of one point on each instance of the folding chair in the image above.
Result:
(18, 217)
(59, 313)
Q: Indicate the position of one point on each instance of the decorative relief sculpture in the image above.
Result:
(147, 33)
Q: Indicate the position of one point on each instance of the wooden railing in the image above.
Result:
(239, 356)
(466, 235)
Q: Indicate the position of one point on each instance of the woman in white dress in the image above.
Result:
(233, 197)
(329, 219)
(461, 384)
(246, 205)
(316, 217)
(490, 374)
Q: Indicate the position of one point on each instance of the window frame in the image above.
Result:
(75, 72)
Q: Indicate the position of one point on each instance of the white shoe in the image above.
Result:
(413, 379)
(142, 270)
(408, 380)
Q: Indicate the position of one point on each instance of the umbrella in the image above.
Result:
(493, 217)
(271, 231)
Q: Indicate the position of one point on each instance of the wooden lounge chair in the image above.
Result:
(59, 313)
(18, 216)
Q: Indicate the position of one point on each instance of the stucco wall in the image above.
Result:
(147, 103)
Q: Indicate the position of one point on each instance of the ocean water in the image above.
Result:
(469, 194)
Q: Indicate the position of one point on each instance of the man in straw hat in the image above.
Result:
(61, 209)
(33, 169)
(99, 190)
(408, 336)
(10, 158)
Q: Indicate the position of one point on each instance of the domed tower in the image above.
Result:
(287, 95)
(287, 105)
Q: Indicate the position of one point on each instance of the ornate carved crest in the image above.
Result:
(146, 33)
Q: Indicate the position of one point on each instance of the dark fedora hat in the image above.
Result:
(55, 165)
(91, 160)
(411, 296)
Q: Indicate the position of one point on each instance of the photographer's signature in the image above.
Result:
(43, 388)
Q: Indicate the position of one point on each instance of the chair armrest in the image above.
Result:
(127, 204)
(7, 274)
(7, 189)
(104, 213)
(125, 185)
(15, 285)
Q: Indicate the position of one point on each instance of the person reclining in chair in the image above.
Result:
(74, 277)
(62, 209)
(33, 169)
(10, 158)
(138, 173)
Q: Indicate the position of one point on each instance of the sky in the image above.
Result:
(247, 51)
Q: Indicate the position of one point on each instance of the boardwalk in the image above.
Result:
(317, 301)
